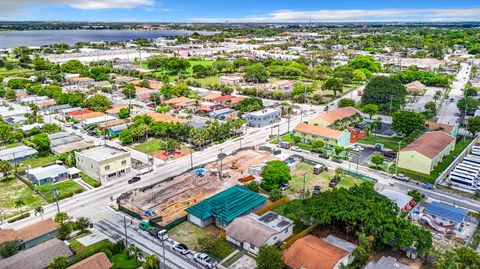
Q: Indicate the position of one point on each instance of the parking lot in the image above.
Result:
(417, 103)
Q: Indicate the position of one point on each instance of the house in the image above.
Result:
(116, 109)
(97, 120)
(17, 154)
(345, 114)
(231, 79)
(263, 117)
(47, 104)
(75, 112)
(180, 102)
(436, 126)
(165, 117)
(104, 163)
(253, 231)
(117, 129)
(62, 138)
(403, 201)
(31, 235)
(425, 152)
(96, 261)
(386, 262)
(225, 206)
(331, 138)
(445, 214)
(47, 174)
(415, 88)
(310, 252)
(38, 257)
(69, 147)
(221, 113)
(211, 96)
(224, 99)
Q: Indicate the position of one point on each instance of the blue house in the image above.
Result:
(47, 174)
(116, 130)
(446, 213)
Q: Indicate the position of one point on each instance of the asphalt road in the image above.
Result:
(447, 111)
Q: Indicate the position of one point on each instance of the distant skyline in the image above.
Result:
(240, 11)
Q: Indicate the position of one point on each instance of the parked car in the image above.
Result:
(337, 160)
(319, 168)
(205, 260)
(181, 248)
(324, 156)
(297, 149)
(134, 179)
(326, 108)
(428, 186)
(284, 186)
(162, 235)
(333, 183)
(390, 154)
(316, 190)
(401, 177)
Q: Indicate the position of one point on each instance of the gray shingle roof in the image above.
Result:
(19, 152)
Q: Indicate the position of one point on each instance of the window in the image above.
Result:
(124, 162)
(107, 167)
(252, 246)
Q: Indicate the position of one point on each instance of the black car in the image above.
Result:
(333, 183)
(134, 179)
(284, 186)
(316, 190)
(390, 154)
(337, 160)
(324, 156)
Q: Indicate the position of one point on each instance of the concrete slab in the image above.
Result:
(92, 238)
(245, 262)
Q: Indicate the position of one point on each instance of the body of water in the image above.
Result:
(45, 37)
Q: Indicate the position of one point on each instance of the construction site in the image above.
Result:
(165, 202)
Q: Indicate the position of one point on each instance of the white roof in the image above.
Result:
(98, 120)
(398, 198)
(102, 153)
(264, 112)
(29, 127)
(73, 170)
(47, 171)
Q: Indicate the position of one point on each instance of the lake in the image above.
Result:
(45, 37)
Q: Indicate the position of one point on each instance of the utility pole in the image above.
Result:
(56, 196)
(191, 157)
(221, 164)
(163, 250)
(398, 157)
(304, 176)
(125, 226)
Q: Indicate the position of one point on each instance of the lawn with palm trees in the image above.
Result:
(17, 197)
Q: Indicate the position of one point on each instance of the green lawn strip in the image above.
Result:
(90, 250)
(153, 145)
(388, 142)
(234, 258)
(12, 190)
(121, 261)
(65, 189)
(90, 181)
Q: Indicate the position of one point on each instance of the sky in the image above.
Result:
(240, 10)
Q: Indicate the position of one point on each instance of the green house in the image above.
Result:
(225, 206)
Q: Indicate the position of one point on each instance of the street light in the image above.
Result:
(398, 157)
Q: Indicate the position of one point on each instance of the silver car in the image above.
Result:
(205, 260)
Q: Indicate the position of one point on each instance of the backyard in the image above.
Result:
(65, 189)
(388, 142)
(14, 190)
(188, 233)
(37, 162)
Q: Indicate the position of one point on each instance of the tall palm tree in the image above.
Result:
(39, 211)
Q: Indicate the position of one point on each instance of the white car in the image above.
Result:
(205, 260)
(181, 248)
(297, 149)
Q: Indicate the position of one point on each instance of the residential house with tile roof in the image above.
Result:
(344, 115)
(331, 138)
(31, 235)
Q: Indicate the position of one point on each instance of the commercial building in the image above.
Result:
(225, 206)
(340, 116)
(425, 152)
(263, 117)
(311, 252)
(331, 138)
(17, 154)
(253, 231)
(231, 79)
(47, 174)
(104, 163)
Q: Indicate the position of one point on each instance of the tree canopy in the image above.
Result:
(98, 102)
(407, 122)
(274, 173)
(256, 73)
(385, 92)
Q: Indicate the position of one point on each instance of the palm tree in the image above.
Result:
(5, 168)
(39, 211)
(376, 125)
(59, 262)
(339, 172)
(19, 204)
(133, 251)
(151, 262)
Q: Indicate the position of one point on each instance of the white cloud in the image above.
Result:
(355, 15)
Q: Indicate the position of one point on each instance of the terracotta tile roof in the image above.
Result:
(47, 103)
(97, 261)
(79, 112)
(236, 100)
(155, 85)
(211, 96)
(140, 90)
(436, 126)
(116, 108)
(224, 98)
(179, 101)
(20, 94)
(165, 117)
(311, 252)
(318, 130)
(29, 232)
(90, 115)
(338, 114)
(415, 85)
(430, 144)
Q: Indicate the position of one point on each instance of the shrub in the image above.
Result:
(19, 217)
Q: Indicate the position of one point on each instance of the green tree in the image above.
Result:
(385, 92)
(250, 104)
(41, 142)
(256, 73)
(61, 217)
(407, 122)
(344, 73)
(5, 168)
(270, 257)
(370, 109)
(60, 262)
(365, 61)
(430, 110)
(199, 71)
(346, 102)
(64, 231)
(416, 195)
(5, 133)
(124, 113)
(151, 262)
(39, 211)
(333, 84)
(10, 94)
(275, 195)
(133, 252)
(73, 67)
(377, 159)
(83, 223)
(317, 145)
(19, 204)
(467, 104)
(473, 126)
(9, 248)
(129, 91)
(98, 102)
(253, 186)
(273, 173)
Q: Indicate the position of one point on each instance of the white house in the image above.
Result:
(252, 231)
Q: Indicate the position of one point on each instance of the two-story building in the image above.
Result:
(104, 163)
(330, 137)
(263, 117)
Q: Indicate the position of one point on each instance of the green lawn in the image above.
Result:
(199, 62)
(121, 261)
(388, 142)
(459, 147)
(65, 189)
(11, 190)
(89, 250)
(153, 145)
(90, 181)
(209, 80)
(37, 161)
